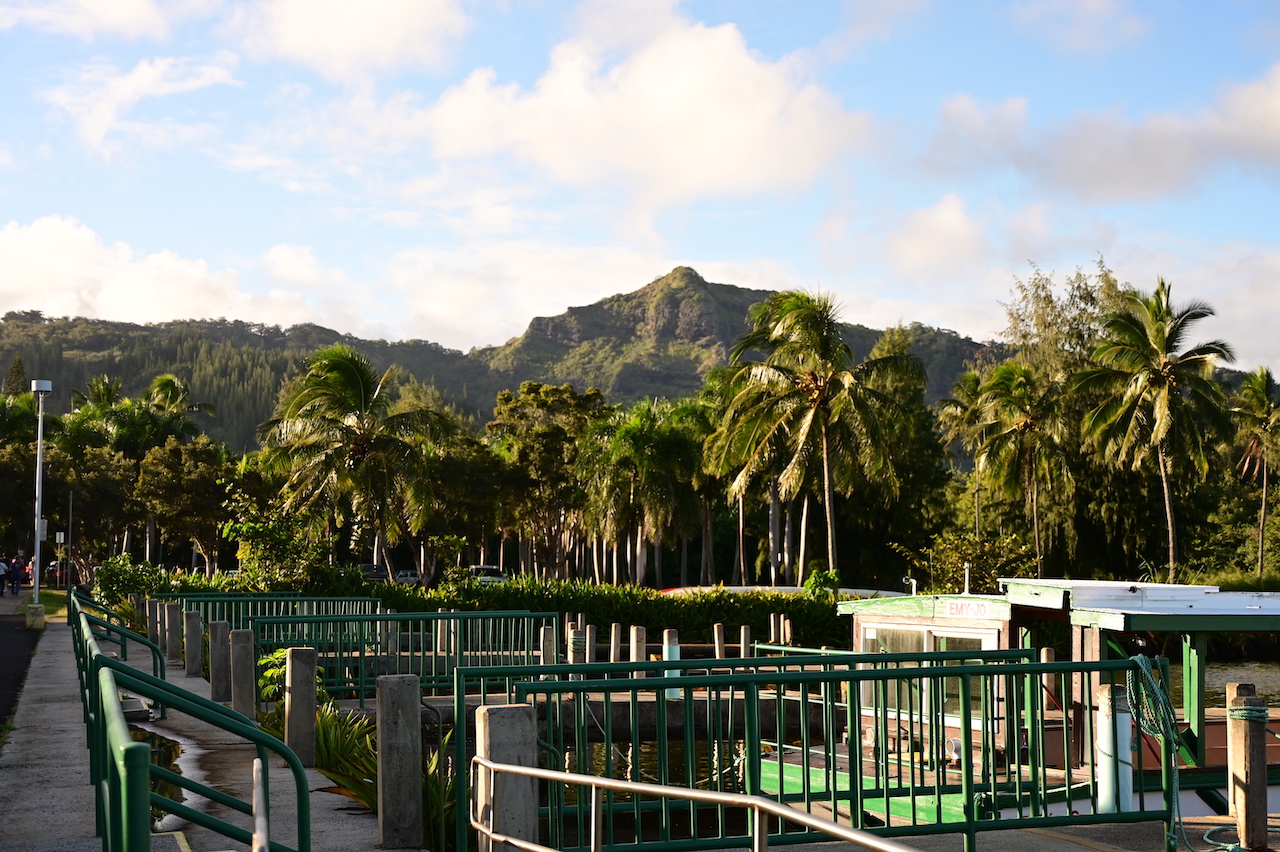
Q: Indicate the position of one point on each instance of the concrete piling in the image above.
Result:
(153, 620)
(220, 661)
(506, 733)
(639, 646)
(549, 646)
(399, 709)
(300, 703)
(172, 631)
(615, 642)
(244, 674)
(193, 643)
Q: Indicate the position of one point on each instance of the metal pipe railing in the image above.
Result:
(115, 771)
(758, 805)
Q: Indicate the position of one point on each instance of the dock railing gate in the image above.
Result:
(899, 744)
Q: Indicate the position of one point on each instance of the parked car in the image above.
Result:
(375, 572)
(488, 574)
(406, 578)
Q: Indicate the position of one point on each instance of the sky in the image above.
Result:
(446, 170)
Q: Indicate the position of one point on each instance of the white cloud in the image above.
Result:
(349, 41)
(868, 21)
(971, 134)
(88, 19)
(939, 240)
(1107, 156)
(62, 267)
(6, 159)
(1082, 26)
(100, 100)
(692, 113)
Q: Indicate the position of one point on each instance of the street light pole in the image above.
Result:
(41, 388)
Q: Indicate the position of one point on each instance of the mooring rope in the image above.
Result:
(1158, 718)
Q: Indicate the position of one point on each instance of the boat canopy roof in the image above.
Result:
(1109, 604)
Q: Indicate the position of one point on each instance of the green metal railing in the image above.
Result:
(353, 650)
(897, 744)
(121, 770)
(238, 609)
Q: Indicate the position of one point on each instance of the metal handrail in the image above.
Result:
(759, 805)
(106, 676)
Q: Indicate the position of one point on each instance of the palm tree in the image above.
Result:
(960, 421)
(1157, 400)
(171, 394)
(1025, 429)
(638, 467)
(1258, 420)
(809, 394)
(343, 446)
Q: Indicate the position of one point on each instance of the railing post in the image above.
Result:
(718, 631)
(172, 627)
(193, 643)
(399, 709)
(506, 733)
(1247, 769)
(300, 703)
(220, 661)
(244, 674)
(744, 641)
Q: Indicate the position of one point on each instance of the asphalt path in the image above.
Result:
(17, 646)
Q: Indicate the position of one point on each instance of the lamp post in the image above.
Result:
(41, 388)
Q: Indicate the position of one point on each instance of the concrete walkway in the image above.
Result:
(49, 806)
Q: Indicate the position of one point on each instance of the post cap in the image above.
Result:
(41, 386)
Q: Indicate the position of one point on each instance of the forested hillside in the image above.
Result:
(659, 341)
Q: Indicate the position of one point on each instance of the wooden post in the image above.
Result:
(744, 641)
(1246, 734)
(718, 631)
(1235, 786)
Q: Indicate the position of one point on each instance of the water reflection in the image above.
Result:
(1264, 676)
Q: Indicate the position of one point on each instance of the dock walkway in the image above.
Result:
(48, 803)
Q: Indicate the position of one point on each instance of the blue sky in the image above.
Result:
(448, 169)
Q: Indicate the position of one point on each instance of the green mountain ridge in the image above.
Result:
(658, 341)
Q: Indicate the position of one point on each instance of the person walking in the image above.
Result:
(5, 569)
(16, 569)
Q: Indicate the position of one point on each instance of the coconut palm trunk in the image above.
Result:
(828, 500)
(1162, 464)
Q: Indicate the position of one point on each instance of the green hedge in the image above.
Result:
(813, 614)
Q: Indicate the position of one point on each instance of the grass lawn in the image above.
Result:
(55, 603)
